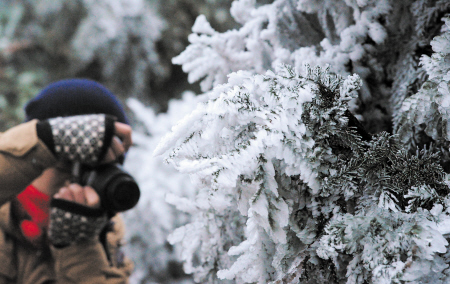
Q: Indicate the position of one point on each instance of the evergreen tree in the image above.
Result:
(151, 221)
(127, 45)
(291, 187)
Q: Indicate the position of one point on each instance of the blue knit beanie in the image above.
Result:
(74, 97)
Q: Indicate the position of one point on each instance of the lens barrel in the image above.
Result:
(117, 189)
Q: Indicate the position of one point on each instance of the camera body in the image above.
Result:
(117, 189)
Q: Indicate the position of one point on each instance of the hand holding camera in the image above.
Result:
(79, 213)
(91, 143)
(75, 216)
(120, 143)
(83, 195)
(88, 139)
(117, 189)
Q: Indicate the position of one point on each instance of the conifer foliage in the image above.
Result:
(290, 186)
(274, 155)
(151, 221)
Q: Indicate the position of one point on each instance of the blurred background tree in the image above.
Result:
(127, 45)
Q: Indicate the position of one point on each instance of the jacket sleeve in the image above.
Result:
(88, 262)
(23, 157)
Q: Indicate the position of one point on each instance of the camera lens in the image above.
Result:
(117, 189)
(123, 193)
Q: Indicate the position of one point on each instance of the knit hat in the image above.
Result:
(74, 97)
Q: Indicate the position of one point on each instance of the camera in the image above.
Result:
(117, 189)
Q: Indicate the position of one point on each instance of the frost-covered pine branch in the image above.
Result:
(386, 247)
(291, 188)
(421, 23)
(259, 152)
(381, 41)
(267, 35)
(401, 217)
(153, 219)
(423, 117)
(287, 188)
(342, 34)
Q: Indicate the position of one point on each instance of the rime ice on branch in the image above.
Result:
(291, 188)
(287, 189)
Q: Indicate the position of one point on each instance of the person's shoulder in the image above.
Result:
(20, 139)
(7, 269)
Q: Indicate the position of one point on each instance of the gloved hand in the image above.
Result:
(72, 222)
(82, 138)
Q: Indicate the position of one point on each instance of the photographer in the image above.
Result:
(53, 230)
